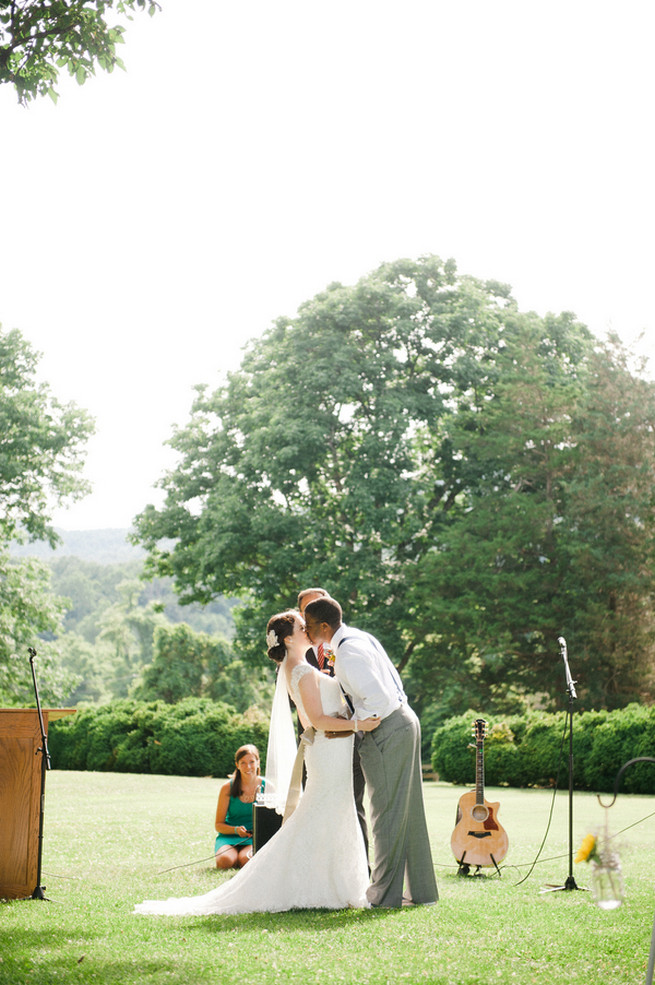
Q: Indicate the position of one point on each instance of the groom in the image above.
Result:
(314, 656)
(390, 756)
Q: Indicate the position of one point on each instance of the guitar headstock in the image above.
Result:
(479, 729)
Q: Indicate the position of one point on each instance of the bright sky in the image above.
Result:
(154, 221)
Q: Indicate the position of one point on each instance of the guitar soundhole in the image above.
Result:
(479, 812)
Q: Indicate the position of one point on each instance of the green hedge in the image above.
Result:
(528, 750)
(195, 737)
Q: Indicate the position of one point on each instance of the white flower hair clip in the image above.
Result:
(271, 639)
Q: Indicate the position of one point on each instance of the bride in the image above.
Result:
(317, 858)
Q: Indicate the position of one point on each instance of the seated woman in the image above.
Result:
(233, 845)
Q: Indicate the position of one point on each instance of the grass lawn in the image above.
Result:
(109, 836)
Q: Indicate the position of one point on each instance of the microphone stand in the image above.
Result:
(45, 765)
(570, 686)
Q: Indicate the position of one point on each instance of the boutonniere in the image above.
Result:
(329, 654)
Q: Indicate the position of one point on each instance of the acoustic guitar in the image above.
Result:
(478, 838)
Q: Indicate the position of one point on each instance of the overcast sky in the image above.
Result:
(153, 221)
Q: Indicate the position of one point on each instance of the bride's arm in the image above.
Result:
(311, 697)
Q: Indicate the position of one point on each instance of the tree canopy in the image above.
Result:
(29, 616)
(38, 38)
(42, 443)
(186, 663)
(470, 481)
(41, 457)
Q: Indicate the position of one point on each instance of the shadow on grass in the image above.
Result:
(48, 956)
(80, 971)
(155, 948)
(292, 921)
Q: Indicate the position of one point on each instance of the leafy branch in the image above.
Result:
(38, 38)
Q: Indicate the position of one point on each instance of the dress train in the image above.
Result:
(317, 859)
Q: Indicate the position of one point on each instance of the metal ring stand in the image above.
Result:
(638, 759)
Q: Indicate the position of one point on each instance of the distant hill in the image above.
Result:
(102, 546)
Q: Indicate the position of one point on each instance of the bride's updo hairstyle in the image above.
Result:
(277, 630)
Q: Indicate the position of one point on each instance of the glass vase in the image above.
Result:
(607, 878)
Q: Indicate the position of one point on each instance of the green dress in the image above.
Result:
(238, 813)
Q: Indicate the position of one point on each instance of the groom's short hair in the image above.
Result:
(325, 610)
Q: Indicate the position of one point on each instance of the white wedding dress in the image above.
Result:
(317, 859)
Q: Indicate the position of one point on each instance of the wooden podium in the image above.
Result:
(21, 766)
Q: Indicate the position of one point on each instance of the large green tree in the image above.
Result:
(608, 548)
(303, 468)
(552, 534)
(430, 454)
(41, 456)
(38, 37)
(42, 445)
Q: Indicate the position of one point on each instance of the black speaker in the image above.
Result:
(265, 822)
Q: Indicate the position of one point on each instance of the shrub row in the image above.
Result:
(196, 737)
(533, 750)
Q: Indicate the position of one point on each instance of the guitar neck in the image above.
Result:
(479, 772)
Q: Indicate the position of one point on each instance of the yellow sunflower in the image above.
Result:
(587, 849)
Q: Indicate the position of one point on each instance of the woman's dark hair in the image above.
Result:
(277, 630)
(235, 786)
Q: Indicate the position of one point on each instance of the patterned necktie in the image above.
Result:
(320, 656)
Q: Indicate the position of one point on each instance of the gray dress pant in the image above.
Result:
(391, 761)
